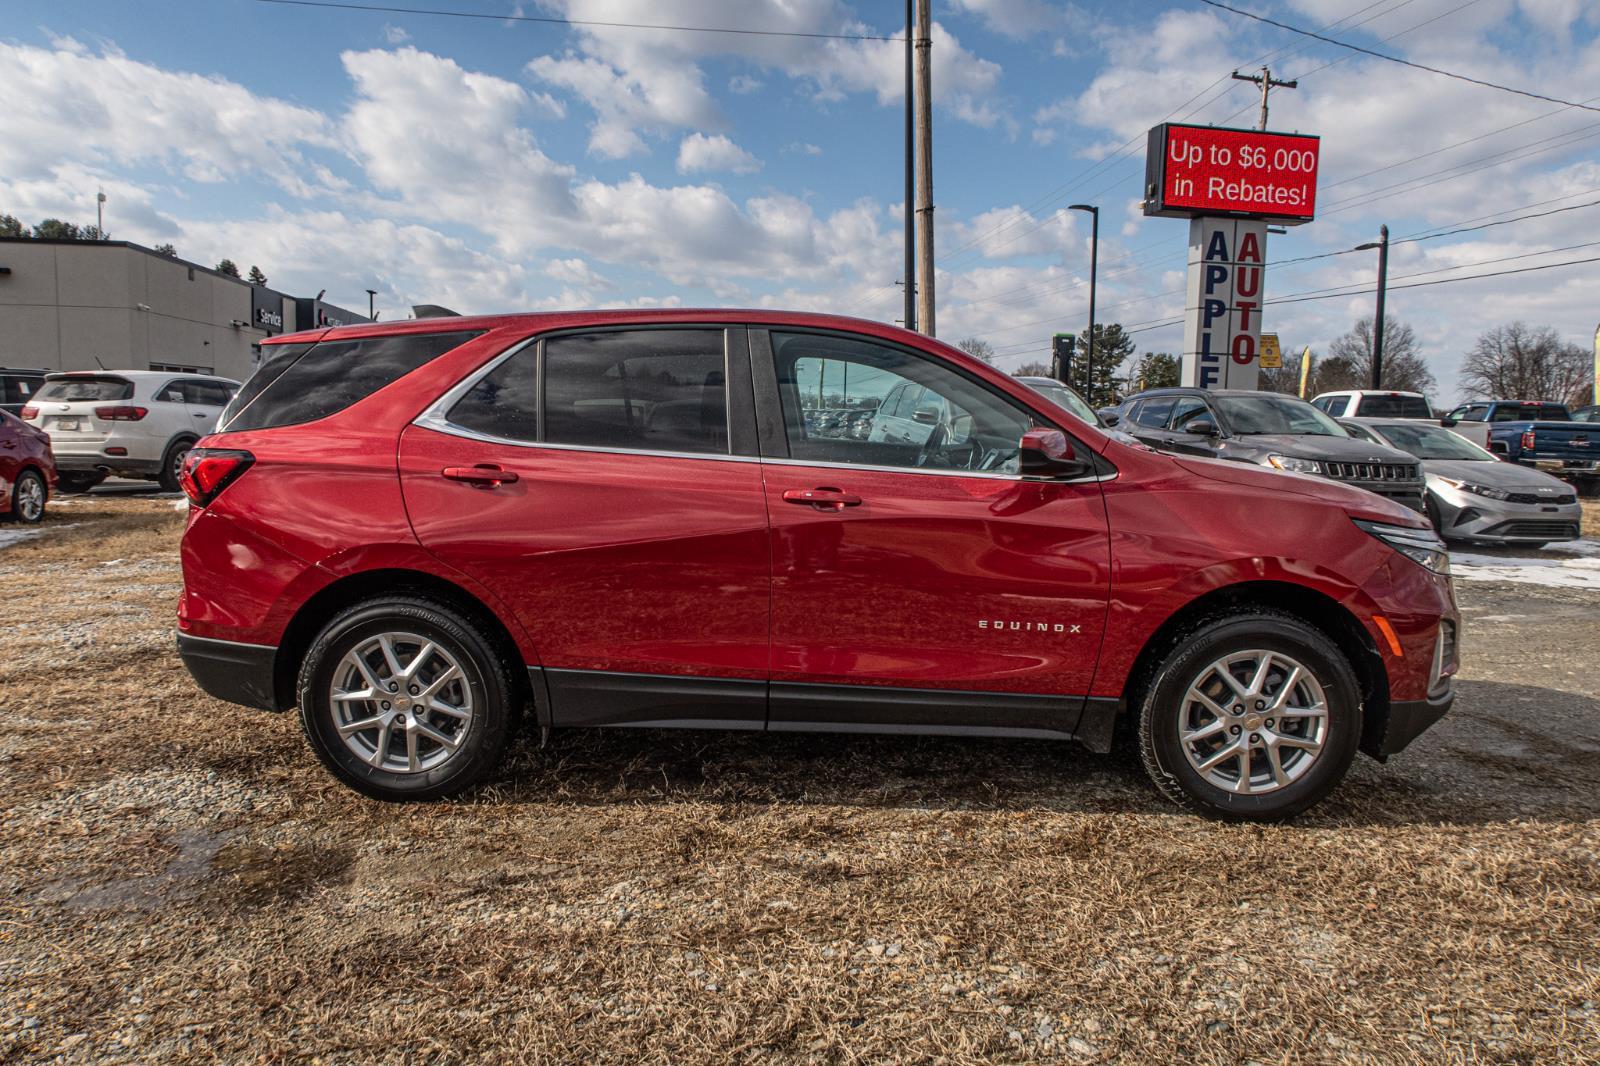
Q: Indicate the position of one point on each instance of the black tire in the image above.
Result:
(29, 494)
(172, 464)
(1164, 708)
(487, 673)
(78, 481)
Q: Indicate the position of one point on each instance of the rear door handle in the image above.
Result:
(483, 475)
(823, 499)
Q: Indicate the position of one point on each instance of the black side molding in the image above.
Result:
(237, 673)
(655, 701)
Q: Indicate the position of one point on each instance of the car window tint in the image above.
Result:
(1154, 412)
(1395, 407)
(653, 389)
(505, 402)
(833, 391)
(332, 375)
(206, 393)
(87, 388)
(275, 359)
(172, 392)
(1186, 410)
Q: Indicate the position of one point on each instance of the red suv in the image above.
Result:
(415, 531)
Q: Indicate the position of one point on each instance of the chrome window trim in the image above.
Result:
(434, 418)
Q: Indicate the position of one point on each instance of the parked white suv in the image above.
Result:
(132, 423)
(1373, 403)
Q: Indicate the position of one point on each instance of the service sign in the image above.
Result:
(1207, 170)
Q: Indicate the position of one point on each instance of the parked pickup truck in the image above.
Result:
(1532, 433)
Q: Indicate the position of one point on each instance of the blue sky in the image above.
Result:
(492, 165)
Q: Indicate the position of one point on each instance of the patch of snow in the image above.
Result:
(1576, 547)
(181, 504)
(17, 534)
(1576, 573)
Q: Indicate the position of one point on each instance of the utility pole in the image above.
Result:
(1267, 83)
(911, 177)
(1094, 269)
(924, 93)
(1382, 245)
(100, 213)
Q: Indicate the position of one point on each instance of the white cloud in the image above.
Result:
(744, 84)
(1019, 18)
(395, 34)
(802, 148)
(654, 99)
(697, 152)
(69, 104)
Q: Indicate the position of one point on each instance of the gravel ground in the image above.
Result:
(179, 880)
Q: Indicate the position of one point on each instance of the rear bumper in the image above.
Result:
(1408, 720)
(237, 673)
(116, 464)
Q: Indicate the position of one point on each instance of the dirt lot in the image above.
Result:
(180, 880)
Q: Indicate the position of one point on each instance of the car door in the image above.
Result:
(1187, 410)
(1148, 420)
(604, 485)
(205, 401)
(926, 586)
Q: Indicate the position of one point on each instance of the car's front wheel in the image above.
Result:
(28, 496)
(404, 698)
(1254, 716)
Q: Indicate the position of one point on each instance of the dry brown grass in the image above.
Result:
(180, 880)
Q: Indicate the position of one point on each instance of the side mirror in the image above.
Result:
(926, 415)
(1048, 453)
(1448, 423)
(1202, 427)
(1110, 418)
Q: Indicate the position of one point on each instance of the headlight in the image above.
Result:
(1419, 545)
(1298, 466)
(1477, 490)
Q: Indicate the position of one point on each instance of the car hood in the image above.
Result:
(1496, 475)
(1316, 446)
(1354, 501)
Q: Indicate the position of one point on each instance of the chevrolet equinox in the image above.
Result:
(418, 532)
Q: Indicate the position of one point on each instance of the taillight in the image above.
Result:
(207, 471)
(120, 413)
(1527, 440)
(29, 412)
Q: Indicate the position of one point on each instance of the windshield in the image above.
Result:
(1271, 413)
(1062, 396)
(86, 388)
(1432, 442)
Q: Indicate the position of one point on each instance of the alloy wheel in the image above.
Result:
(1253, 722)
(401, 703)
(30, 498)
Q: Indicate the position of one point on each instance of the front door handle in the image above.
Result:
(823, 499)
(484, 475)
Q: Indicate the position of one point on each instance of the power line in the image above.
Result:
(556, 21)
(1396, 59)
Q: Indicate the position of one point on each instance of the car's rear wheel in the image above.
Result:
(172, 465)
(1254, 717)
(403, 698)
(28, 496)
(79, 482)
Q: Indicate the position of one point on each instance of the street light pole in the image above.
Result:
(1382, 245)
(1094, 269)
(372, 296)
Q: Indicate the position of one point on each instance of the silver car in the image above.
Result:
(1474, 496)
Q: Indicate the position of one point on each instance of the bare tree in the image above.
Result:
(1519, 362)
(1403, 366)
(977, 348)
(1032, 370)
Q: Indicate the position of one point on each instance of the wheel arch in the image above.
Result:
(347, 591)
(1315, 608)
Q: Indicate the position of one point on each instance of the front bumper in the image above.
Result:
(1466, 516)
(1408, 720)
(237, 673)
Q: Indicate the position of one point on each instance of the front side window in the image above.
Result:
(651, 390)
(853, 401)
(1187, 410)
(1153, 413)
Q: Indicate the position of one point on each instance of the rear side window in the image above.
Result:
(1394, 407)
(655, 390)
(206, 393)
(87, 388)
(326, 378)
(17, 389)
(506, 402)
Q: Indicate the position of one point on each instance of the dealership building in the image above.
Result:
(90, 305)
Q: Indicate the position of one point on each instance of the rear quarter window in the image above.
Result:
(1394, 407)
(87, 388)
(315, 381)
